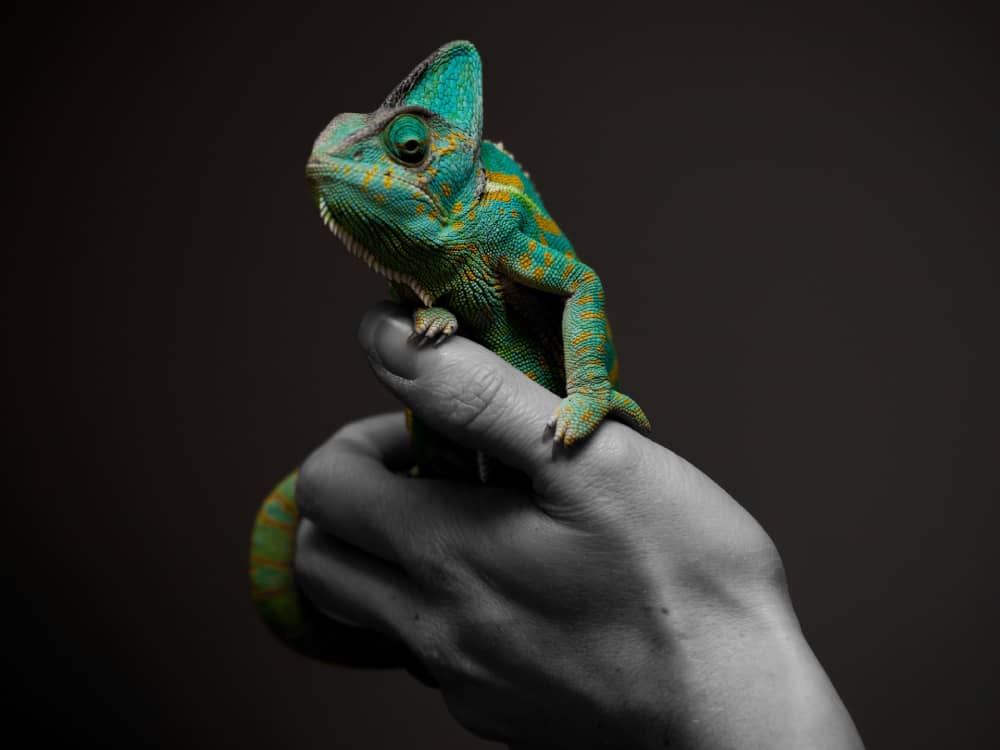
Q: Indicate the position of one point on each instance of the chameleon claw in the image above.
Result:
(433, 324)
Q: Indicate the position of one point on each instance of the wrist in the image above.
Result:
(730, 670)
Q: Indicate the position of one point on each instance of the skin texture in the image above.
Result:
(623, 599)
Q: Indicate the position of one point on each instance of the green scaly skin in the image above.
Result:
(458, 229)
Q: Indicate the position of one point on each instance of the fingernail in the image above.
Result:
(384, 333)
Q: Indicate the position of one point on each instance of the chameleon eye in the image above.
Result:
(407, 139)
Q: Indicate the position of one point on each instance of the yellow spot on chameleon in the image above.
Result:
(452, 140)
(457, 208)
(532, 374)
(585, 299)
(457, 225)
(591, 315)
(538, 273)
(387, 180)
(446, 189)
(532, 245)
(420, 208)
(588, 276)
(580, 338)
(547, 259)
(546, 224)
(568, 269)
(524, 261)
(506, 179)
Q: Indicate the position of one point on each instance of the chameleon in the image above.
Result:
(458, 229)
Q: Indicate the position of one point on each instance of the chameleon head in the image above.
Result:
(395, 183)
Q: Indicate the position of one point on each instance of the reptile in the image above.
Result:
(459, 230)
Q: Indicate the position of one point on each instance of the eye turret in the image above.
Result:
(407, 139)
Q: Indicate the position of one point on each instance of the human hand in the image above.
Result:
(623, 600)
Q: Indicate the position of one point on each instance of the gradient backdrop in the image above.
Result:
(796, 219)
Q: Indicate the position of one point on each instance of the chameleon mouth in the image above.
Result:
(358, 250)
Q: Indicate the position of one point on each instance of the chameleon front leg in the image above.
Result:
(434, 323)
(431, 323)
(587, 347)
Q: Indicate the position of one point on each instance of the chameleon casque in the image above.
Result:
(458, 229)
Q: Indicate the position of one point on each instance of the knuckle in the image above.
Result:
(308, 483)
(449, 576)
(306, 561)
(325, 467)
(472, 393)
(613, 452)
(755, 558)
(433, 645)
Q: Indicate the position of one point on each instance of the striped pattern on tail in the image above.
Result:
(291, 616)
(272, 550)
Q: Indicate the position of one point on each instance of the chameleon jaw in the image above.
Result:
(357, 249)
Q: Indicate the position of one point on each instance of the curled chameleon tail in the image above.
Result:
(289, 615)
(272, 550)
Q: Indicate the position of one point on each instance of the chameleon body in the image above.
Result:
(458, 229)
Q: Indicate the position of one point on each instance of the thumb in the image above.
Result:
(462, 390)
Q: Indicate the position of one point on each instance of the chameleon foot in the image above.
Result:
(628, 411)
(578, 415)
(433, 324)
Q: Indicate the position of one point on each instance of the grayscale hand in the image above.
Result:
(624, 600)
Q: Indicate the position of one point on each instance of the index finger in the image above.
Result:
(350, 488)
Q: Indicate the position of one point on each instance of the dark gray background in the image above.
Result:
(796, 220)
